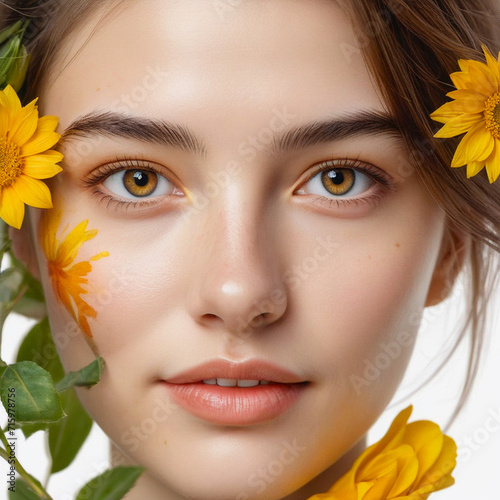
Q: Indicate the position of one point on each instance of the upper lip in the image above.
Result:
(243, 370)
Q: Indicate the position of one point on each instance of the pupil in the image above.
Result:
(336, 177)
(141, 179)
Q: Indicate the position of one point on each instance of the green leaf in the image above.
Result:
(22, 491)
(32, 304)
(39, 347)
(8, 53)
(10, 282)
(9, 31)
(31, 392)
(30, 429)
(20, 68)
(67, 436)
(112, 485)
(86, 377)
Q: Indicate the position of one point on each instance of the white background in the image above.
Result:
(476, 431)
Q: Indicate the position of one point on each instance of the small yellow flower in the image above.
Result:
(69, 278)
(410, 462)
(474, 111)
(25, 157)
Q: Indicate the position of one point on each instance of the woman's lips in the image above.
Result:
(235, 394)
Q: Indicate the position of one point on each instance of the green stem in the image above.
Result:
(7, 454)
(8, 309)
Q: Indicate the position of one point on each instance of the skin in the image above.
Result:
(181, 283)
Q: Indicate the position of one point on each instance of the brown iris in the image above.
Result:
(338, 181)
(140, 182)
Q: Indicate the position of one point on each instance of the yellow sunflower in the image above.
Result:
(410, 462)
(69, 278)
(474, 111)
(25, 157)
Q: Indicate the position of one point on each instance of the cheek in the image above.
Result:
(368, 299)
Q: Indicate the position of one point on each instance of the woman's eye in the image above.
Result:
(138, 183)
(338, 183)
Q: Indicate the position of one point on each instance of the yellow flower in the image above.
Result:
(68, 278)
(25, 157)
(476, 112)
(410, 462)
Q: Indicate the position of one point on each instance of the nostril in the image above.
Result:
(260, 320)
(210, 318)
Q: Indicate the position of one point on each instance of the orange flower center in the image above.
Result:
(492, 115)
(11, 163)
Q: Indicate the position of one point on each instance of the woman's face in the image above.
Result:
(241, 170)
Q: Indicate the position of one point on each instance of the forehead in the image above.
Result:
(201, 55)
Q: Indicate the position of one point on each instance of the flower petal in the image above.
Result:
(493, 163)
(23, 124)
(469, 95)
(474, 167)
(68, 249)
(483, 79)
(473, 146)
(12, 102)
(11, 207)
(44, 137)
(461, 80)
(442, 467)
(48, 228)
(43, 171)
(492, 63)
(4, 115)
(459, 125)
(33, 192)
(25, 128)
(426, 439)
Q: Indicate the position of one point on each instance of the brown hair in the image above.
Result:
(410, 47)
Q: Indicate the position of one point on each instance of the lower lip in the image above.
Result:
(234, 405)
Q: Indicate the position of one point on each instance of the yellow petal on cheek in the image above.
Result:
(69, 278)
(100, 256)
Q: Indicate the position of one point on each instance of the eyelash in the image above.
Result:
(381, 178)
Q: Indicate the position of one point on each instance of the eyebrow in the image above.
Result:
(164, 133)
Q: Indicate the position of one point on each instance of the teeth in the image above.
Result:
(231, 382)
(226, 382)
(247, 383)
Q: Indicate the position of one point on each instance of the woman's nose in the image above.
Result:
(237, 284)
